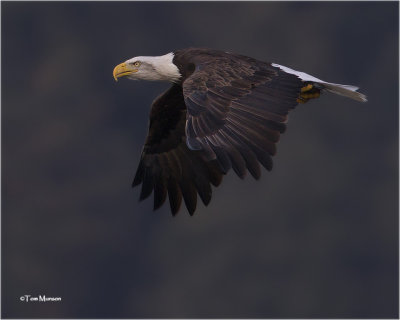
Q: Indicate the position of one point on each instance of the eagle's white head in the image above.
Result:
(149, 68)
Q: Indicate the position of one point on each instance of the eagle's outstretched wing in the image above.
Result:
(167, 165)
(236, 110)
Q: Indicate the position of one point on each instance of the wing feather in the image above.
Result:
(237, 108)
(174, 195)
(167, 166)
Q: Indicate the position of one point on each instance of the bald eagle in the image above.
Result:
(223, 111)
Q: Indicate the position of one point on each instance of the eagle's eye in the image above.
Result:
(136, 64)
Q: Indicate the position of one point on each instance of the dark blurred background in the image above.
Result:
(316, 237)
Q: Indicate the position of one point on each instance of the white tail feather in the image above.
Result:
(344, 90)
(340, 89)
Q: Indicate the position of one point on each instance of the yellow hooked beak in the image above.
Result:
(122, 70)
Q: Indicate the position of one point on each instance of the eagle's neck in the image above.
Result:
(165, 67)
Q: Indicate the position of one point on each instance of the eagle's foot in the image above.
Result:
(308, 92)
(306, 88)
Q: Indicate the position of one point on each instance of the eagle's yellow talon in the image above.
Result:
(307, 88)
(306, 94)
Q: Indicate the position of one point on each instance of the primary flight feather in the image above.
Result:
(223, 111)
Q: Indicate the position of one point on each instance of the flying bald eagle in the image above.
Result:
(223, 111)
